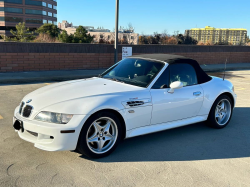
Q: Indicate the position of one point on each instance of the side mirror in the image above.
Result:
(175, 85)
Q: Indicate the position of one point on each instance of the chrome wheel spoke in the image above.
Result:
(222, 106)
(97, 127)
(217, 115)
(100, 144)
(93, 139)
(109, 137)
(107, 126)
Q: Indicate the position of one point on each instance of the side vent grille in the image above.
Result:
(135, 103)
(21, 107)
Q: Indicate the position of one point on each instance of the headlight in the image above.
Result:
(52, 117)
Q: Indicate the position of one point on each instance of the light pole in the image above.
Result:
(116, 30)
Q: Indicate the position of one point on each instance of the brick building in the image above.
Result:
(33, 12)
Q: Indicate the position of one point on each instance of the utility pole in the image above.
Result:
(116, 30)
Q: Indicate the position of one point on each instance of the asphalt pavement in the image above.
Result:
(194, 155)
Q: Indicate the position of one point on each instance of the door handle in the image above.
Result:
(197, 93)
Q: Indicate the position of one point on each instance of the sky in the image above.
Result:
(148, 16)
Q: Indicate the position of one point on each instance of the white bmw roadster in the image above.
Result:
(138, 95)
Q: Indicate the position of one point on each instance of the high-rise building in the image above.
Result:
(33, 12)
(218, 36)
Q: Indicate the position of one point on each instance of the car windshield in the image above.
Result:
(133, 71)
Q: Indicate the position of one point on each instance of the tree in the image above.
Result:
(22, 33)
(185, 39)
(64, 37)
(81, 36)
(49, 29)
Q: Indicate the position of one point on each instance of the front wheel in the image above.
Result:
(221, 112)
(100, 135)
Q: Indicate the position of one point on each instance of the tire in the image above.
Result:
(218, 117)
(100, 135)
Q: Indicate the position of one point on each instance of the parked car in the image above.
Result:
(139, 95)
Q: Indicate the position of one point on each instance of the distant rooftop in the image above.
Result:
(213, 28)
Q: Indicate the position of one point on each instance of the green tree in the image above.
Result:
(49, 29)
(81, 36)
(64, 37)
(22, 33)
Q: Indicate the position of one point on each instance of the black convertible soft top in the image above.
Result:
(172, 59)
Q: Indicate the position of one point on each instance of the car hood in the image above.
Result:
(70, 90)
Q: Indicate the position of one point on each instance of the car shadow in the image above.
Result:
(193, 142)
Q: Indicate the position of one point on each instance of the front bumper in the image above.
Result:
(48, 136)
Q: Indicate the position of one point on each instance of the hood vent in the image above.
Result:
(135, 103)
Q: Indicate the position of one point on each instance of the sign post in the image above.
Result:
(126, 52)
(116, 30)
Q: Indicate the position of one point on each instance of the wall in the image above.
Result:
(57, 56)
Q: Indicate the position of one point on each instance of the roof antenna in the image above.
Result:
(225, 69)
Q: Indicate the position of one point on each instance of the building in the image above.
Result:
(129, 38)
(33, 13)
(64, 25)
(218, 36)
(126, 35)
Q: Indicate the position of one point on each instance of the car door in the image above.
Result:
(184, 102)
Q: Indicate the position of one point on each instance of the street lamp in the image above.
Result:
(116, 30)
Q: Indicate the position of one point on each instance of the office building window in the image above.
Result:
(44, 4)
(11, 10)
(54, 15)
(55, 7)
(38, 12)
(11, 19)
(45, 21)
(37, 21)
(13, 1)
(50, 14)
(49, 21)
(50, 5)
(55, 23)
(31, 2)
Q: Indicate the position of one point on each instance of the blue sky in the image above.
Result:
(158, 15)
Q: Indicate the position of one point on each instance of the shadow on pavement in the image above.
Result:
(193, 142)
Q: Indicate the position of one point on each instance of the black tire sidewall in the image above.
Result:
(82, 146)
(211, 121)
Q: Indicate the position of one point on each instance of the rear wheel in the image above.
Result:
(221, 112)
(100, 135)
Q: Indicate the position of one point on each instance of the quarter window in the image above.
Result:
(162, 81)
(184, 73)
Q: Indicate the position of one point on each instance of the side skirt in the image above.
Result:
(164, 126)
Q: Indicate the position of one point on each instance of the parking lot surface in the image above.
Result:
(194, 155)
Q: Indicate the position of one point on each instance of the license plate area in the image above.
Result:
(18, 125)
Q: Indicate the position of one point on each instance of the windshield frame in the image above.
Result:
(146, 59)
